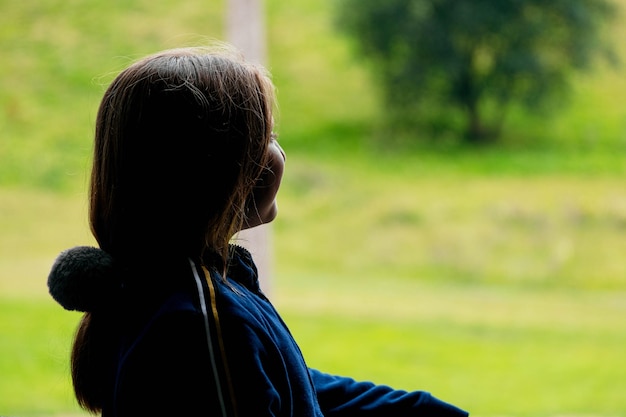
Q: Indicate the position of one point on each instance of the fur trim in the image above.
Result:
(84, 279)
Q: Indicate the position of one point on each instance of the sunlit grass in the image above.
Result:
(34, 357)
(546, 231)
(504, 345)
(36, 226)
(443, 283)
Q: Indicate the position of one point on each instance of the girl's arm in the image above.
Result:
(341, 396)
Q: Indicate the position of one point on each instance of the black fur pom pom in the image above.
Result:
(84, 279)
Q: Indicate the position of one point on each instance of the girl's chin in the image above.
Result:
(267, 216)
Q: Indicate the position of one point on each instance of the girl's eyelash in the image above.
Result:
(274, 136)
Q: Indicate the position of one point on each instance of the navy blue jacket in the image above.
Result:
(215, 347)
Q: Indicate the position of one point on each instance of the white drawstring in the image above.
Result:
(207, 328)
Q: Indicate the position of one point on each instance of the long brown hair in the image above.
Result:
(181, 138)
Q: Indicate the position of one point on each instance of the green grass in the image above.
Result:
(484, 290)
(487, 349)
(492, 277)
(556, 231)
(34, 361)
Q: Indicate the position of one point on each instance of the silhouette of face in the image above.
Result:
(263, 207)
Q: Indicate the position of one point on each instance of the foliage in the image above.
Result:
(474, 57)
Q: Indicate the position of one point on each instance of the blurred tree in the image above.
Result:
(441, 59)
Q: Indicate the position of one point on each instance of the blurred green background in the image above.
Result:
(492, 277)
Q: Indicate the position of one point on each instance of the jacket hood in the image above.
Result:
(89, 279)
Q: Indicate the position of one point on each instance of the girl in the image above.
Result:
(175, 322)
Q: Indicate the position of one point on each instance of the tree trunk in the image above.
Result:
(475, 132)
(468, 93)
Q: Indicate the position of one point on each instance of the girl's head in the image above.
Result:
(184, 155)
